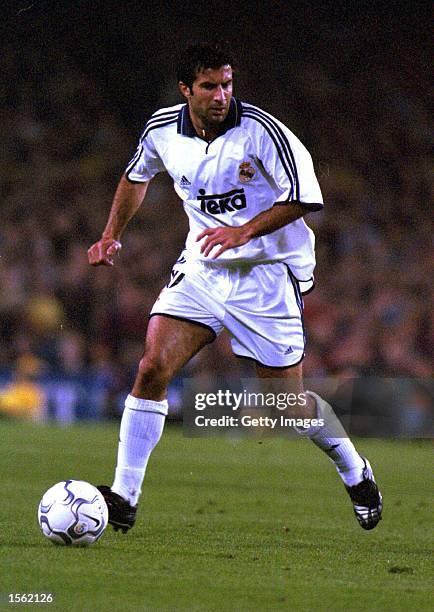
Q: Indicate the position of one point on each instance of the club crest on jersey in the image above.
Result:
(218, 204)
(247, 172)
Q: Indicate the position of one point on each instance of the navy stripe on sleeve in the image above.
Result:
(279, 152)
(158, 121)
(135, 159)
(281, 142)
(154, 120)
(148, 129)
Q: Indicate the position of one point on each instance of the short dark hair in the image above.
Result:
(201, 56)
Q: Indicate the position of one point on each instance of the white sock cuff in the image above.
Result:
(144, 405)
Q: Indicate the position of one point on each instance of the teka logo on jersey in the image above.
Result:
(218, 204)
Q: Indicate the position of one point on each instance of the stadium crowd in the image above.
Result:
(64, 147)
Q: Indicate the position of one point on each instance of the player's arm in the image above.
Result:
(127, 200)
(266, 222)
(274, 218)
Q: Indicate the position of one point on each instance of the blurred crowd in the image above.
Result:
(65, 147)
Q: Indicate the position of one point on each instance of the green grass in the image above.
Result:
(223, 525)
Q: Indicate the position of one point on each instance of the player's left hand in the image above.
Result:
(226, 237)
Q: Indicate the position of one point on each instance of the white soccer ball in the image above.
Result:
(73, 512)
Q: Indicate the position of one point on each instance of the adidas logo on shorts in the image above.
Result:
(184, 181)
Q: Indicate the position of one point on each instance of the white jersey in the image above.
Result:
(254, 163)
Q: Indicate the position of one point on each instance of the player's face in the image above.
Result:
(210, 96)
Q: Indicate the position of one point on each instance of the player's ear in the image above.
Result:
(184, 89)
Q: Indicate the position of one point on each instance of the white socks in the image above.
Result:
(334, 441)
(141, 428)
(143, 422)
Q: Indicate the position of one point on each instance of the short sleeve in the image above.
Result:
(307, 189)
(286, 160)
(146, 162)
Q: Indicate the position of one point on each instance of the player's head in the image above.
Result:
(205, 79)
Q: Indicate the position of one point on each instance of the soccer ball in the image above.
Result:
(73, 512)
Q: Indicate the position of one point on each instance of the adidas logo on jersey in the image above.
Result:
(184, 181)
(217, 204)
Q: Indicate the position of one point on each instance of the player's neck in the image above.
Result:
(206, 132)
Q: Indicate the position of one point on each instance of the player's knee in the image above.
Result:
(153, 371)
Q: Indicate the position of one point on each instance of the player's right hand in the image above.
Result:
(102, 252)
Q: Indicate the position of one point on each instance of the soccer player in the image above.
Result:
(246, 182)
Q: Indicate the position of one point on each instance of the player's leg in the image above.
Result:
(265, 319)
(288, 380)
(170, 344)
(354, 470)
(331, 437)
(270, 331)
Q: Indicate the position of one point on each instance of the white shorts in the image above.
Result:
(260, 305)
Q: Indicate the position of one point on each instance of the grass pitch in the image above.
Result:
(223, 525)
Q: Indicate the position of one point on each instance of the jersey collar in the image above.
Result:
(186, 128)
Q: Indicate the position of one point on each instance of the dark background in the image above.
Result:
(79, 79)
(130, 48)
